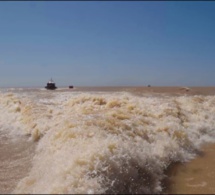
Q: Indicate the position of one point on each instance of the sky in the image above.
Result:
(107, 43)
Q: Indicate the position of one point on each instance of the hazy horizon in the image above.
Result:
(112, 86)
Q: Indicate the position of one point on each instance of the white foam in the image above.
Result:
(107, 143)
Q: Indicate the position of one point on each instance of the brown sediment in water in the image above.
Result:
(15, 161)
(169, 90)
(194, 177)
(177, 179)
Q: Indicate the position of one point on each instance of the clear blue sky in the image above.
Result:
(107, 43)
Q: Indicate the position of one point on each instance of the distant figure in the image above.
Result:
(149, 85)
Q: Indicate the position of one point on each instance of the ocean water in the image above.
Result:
(85, 141)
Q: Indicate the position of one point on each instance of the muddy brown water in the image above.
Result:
(194, 177)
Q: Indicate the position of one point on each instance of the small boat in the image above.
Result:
(71, 86)
(51, 85)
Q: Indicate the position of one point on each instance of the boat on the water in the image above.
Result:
(51, 85)
(71, 86)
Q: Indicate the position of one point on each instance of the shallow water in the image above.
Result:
(194, 177)
(15, 160)
(100, 141)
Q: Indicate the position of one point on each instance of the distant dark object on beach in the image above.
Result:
(51, 85)
(149, 85)
(71, 86)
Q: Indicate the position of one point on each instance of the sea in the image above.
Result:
(106, 140)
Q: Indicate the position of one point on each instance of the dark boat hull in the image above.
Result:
(51, 86)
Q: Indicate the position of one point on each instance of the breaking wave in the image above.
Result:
(106, 142)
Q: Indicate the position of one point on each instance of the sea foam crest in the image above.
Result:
(109, 143)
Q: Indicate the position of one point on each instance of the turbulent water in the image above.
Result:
(98, 142)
